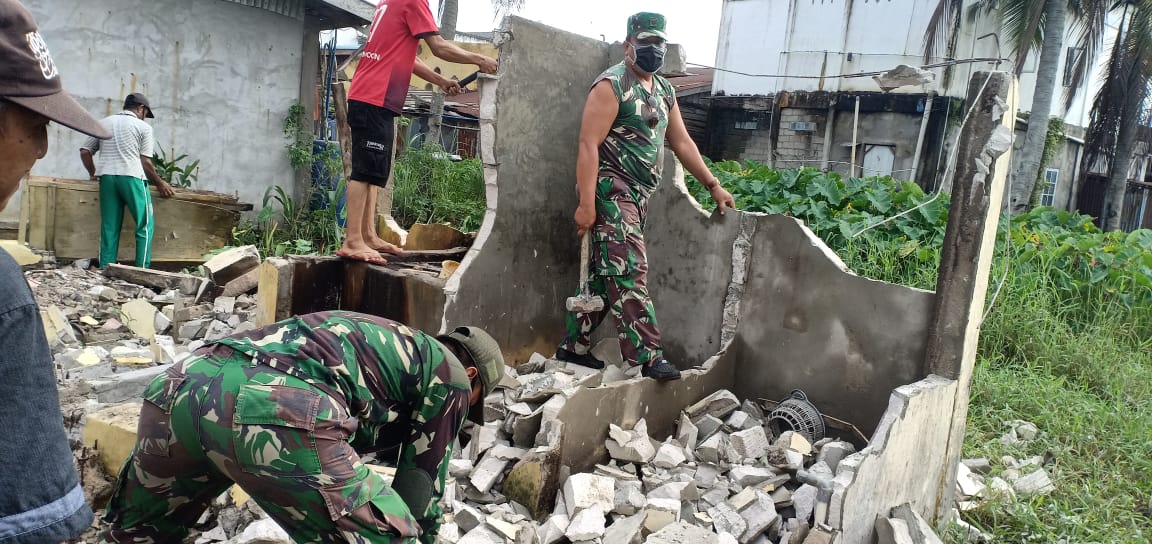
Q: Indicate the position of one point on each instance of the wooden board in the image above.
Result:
(63, 216)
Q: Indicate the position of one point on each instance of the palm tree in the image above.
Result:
(1120, 107)
(1029, 24)
(449, 15)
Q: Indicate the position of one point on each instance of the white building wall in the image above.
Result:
(809, 38)
(220, 75)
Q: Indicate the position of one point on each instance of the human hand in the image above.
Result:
(451, 87)
(722, 197)
(585, 217)
(487, 65)
(165, 190)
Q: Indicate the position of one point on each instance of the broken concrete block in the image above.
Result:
(967, 483)
(680, 491)
(467, 517)
(669, 456)
(587, 524)
(759, 514)
(800, 444)
(804, 502)
(166, 347)
(1036, 483)
(920, 531)
(482, 535)
(140, 317)
(687, 433)
(980, 466)
(682, 533)
(833, 452)
(892, 531)
(224, 306)
(125, 385)
(263, 531)
(745, 476)
(706, 427)
(715, 495)
(217, 330)
(132, 356)
(246, 283)
(740, 420)
(584, 491)
(534, 481)
(56, 326)
(628, 530)
(629, 497)
(552, 530)
(660, 513)
(161, 323)
(709, 450)
(487, 472)
(719, 405)
(750, 443)
(630, 446)
(232, 263)
(726, 538)
(20, 252)
(112, 432)
(727, 519)
(781, 496)
(525, 428)
(483, 438)
(503, 528)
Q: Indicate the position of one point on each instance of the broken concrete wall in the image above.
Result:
(903, 463)
(808, 323)
(526, 259)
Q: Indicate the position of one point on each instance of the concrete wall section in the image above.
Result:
(807, 323)
(903, 463)
(690, 265)
(221, 77)
(525, 265)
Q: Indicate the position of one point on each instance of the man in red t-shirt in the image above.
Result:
(377, 97)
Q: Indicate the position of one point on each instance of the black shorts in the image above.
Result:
(373, 134)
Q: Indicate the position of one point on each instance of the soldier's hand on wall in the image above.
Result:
(722, 197)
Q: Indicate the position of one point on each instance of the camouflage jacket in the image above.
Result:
(633, 149)
(401, 384)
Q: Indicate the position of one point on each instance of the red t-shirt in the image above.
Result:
(385, 69)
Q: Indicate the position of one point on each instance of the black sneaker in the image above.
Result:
(586, 359)
(661, 371)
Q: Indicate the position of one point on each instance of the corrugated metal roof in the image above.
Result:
(288, 8)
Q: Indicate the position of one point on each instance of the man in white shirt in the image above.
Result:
(124, 161)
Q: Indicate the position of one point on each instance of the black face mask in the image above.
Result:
(649, 58)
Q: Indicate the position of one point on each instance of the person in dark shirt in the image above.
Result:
(40, 495)
(286, 411)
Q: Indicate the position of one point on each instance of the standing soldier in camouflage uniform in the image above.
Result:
(628, 114)
(286, 411)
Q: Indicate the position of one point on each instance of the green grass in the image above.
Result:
(433, 189)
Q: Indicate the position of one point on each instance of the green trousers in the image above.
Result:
(117, 193)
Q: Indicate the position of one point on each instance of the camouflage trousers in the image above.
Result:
(619, 271)
(218, 419)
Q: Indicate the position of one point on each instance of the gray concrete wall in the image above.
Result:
(808, 323)
(903, 463)
(525, 262)
(221, 77)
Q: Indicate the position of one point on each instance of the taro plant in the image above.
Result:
(169, 169)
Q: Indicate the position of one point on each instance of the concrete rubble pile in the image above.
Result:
(110, 336)
(721, 478)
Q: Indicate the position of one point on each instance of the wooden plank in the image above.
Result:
(187, 285)
(68, 223)
(186, 195)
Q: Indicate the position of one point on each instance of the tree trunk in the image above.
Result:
(1028, 167)
(1122, 162)
(450, 12)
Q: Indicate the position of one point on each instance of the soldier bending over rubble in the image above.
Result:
(287, 410)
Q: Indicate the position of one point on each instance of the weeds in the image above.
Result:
(430, 188)
(169, 169)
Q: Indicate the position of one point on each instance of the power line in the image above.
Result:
(954, 62)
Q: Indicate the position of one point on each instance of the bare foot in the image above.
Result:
(379, 245)
(359, 252)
